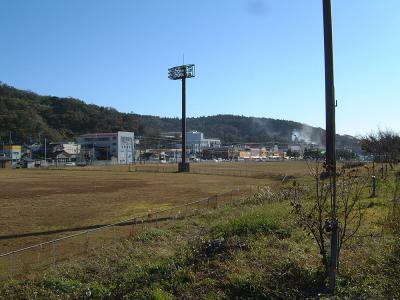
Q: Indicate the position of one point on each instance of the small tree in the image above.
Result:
(345, 154)
(313, 154)
(313, 210)
(394, 213)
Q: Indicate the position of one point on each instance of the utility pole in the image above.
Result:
(45, 151)
(126, 152)
(331, 140)
(3, 153)
(10, 143)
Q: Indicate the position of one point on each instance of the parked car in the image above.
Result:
(70, 164)
(17, 165)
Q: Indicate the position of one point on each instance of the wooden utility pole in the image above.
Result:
(331, 140)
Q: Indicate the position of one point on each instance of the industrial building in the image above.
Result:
(196, 142)
(115, 147)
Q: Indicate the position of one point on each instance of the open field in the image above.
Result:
(252, 248)
(42, 200)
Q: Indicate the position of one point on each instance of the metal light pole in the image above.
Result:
(184, 167)
(45, 151)
(176, 73)
(331, 140)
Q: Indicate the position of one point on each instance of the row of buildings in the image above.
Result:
(122, 148)
(199, 147)
(115, 148)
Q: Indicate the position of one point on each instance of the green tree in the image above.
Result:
(384, 146)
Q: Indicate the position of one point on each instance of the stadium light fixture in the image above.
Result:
(181, 73)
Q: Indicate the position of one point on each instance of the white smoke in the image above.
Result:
(305, 135)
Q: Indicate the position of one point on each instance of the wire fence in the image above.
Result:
(29, 260)
(197, 168)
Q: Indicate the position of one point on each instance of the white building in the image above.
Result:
(196, 142)
(68, 147)
(118, 146)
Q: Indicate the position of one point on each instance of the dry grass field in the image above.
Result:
(41, 200)
(266, 249)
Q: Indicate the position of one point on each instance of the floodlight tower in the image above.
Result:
(176, 73)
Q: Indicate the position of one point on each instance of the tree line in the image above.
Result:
(29, 117)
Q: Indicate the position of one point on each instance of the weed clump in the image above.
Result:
(264, 221)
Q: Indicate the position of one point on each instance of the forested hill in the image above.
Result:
(27, 115)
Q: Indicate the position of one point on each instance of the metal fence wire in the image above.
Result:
(201, 169)
(38, 257)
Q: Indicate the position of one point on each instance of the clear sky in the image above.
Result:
(259, 58)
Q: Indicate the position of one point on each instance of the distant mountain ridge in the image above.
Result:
(28, 115)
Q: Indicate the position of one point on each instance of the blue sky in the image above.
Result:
(259, 58)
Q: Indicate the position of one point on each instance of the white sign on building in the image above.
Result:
(118, 146)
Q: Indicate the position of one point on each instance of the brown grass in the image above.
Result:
(41, 200)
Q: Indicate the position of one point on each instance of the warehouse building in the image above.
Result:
(195, 141)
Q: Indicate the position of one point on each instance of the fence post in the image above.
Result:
(133, 228)
(54, 252)
(216, 201)
(38, 255)
(87, 242)
(156, 218)
(373, 187)
(231, 197)
(11, 266)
